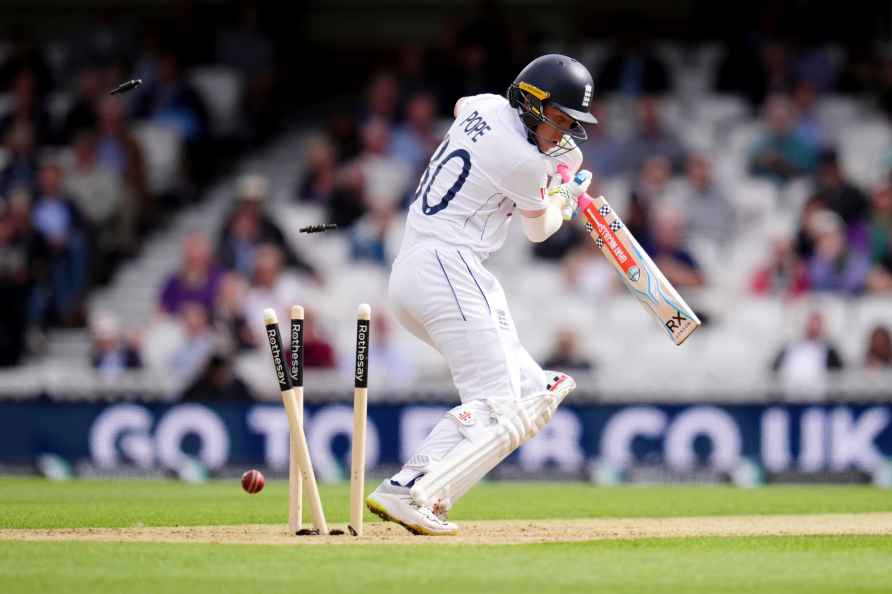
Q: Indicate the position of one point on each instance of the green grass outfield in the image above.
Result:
(708, 565)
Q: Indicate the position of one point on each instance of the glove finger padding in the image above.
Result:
(570, 192)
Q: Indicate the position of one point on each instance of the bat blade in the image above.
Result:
(636, 269)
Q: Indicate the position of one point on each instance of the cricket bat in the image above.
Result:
(637, 271)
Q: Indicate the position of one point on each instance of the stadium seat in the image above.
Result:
(162, 147)
(865, 149)
(720, 110)
(836, 113)
(794, 195)
(220, 88)
(755, 199)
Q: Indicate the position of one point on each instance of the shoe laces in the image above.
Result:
(429, 513)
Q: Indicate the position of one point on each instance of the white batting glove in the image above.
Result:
(569, 193)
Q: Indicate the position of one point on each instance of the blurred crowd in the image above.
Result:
(210, 310)
(76, 193)
(85, 176)
(364, 167)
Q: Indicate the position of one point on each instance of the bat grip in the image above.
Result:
(584, 199)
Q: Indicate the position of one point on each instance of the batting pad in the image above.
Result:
(492, 430)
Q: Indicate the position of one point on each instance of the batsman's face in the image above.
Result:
(550, 133)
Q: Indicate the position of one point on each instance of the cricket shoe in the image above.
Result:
(393, 503)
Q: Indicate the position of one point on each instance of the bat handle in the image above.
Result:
(584, 200)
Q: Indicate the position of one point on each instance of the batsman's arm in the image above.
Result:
(539, 225)
(560, 205)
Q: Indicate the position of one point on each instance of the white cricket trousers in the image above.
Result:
(444, 296)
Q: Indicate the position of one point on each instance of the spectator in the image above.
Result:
(381, 99)
(98, 194)
(61, 225)
(474, 57)
(835, 266)
(111, 355)
(27, 108)
(145, 62)
(633, 69)
(565, 354)
(649, 191)
(880, 277)
(391, 362)
(815, 67)
(84, 112)
(217, 383)
(669, 253)
(802, 365)
(95, 189)
(18, 267)
(344, 134)
(318, 182)
(246, 49)
(840, 195)
(271, 286)
(373, 174)
(708, 213)
(171, 101)
(20, 170)
(414, 141)
(34, 248)
(781, 153)
(778, 66)
(196, 345)
(879, 348)
(808, 127)
(413, 70)
(347, 203)
(880, 236)
(447, 83)
(784, 274)
(805, 243)
(198, 279)
(247, 228)
(29, 56)
(382, 173)
(880, 227)
(229, 319)
(371, 236)
(652, 139)
(120, 152)
(602, 154)
(318, 352)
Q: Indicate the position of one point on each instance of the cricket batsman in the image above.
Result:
(498, 160)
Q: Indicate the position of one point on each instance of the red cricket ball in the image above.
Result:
(252, 481)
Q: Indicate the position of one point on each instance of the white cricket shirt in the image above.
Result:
(483, 169)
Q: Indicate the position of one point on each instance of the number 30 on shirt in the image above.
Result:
(424, 186)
